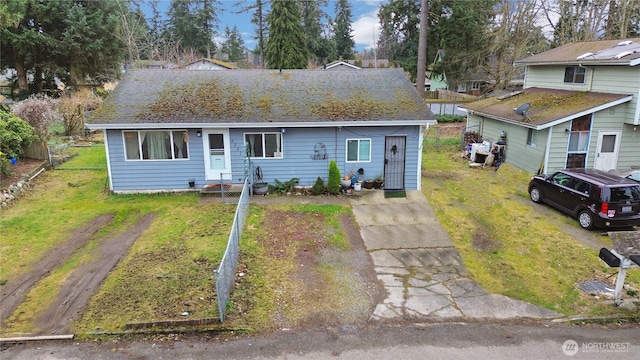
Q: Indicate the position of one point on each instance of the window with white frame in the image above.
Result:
(264, 145)
(532, 136)
(574, 74)
(156, 145)
(475, 85)
(358, 150)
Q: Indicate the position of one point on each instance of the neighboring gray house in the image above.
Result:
(339, 65)
(165, 128)
(209, 64)
(578, 108)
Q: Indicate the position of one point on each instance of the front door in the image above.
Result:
(607, 150)
(217, 161)
(394, 157)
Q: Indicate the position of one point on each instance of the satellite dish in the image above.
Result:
(522, 109)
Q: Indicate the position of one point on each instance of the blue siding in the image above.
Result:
(298, 152)
(164, 175)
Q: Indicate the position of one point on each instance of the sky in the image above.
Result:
(364, 18)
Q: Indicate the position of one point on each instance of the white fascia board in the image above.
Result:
(259, 125)
(586, 112)
(555, 122)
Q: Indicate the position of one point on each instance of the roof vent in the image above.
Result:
(625, 43)
(623, 54)
(585, 55)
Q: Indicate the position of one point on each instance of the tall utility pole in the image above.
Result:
(422, 47)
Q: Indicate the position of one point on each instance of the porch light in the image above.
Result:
(198, 133)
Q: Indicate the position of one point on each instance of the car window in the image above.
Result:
(579, 185)
(634, 176)
(625, 193)
(561, 179)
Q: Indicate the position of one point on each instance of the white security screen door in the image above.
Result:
(217, 161)
(607, 150)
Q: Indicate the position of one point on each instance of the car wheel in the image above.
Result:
(536, 195)
(585, 219)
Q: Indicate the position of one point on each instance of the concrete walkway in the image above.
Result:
(421, 270)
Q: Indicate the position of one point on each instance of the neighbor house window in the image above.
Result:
(264, 145)
(578, 142)
(358, 150)
(156, 145)
(574, 74)
(532, 137)
(475, 85)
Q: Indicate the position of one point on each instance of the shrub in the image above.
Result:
(318, 187)
(38, 111)
(333, 184)
(15, 133)
(450, 118)
(283, 187)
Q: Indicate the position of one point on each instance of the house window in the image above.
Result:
(264, 145)
(532, 136)
(475, 85)
(462, 87)
(156, 145)
(358, 150)
(574, 74)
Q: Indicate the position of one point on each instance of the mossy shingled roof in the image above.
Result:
(546, 105)
(260, 96)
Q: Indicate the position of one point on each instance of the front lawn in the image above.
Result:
(507, 243)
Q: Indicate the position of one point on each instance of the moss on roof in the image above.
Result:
(546, 105)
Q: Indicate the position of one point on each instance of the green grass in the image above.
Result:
(506, 244)
(171, 263)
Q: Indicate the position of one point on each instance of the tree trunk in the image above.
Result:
(422, 47)
(21, 73)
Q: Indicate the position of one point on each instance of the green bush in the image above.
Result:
(15, 133)
(333, 184)
(450, 118)
(318, 187)
(283, 187)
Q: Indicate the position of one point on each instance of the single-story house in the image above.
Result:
(339, 65)
(166, 129)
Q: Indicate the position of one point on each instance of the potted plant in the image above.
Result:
(377, 182)
(259, 187)
(368, 184)
(347, 180)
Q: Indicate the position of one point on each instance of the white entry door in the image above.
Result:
(607, 150)
(217, 160)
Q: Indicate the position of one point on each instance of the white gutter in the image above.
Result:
(106, 149)
(547, 149)
(636, 119)
(259, 124)
(557, 121)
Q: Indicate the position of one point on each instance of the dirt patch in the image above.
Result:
(15, 290)
(85, 280)
(316, 284)
(20, 171)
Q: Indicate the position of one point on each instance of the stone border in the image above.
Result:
(15, 190)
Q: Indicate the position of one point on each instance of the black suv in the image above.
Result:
(595, 198)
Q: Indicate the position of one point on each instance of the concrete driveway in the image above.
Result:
(421, 270)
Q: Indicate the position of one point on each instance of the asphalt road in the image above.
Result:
(412, 341)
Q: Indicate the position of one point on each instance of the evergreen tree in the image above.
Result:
(286, 47)
(399, 37)
(70, 40)
(233, 46)
(260, 22)
(320, 48)
(342, 30)
(192, 24)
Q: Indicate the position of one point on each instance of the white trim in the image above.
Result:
(170, 131)
(547, 150)
(227, 152)
(331, 124)
(419, 167)
(636, 120)
(554, 122)
(106, 149)
(264, 144)
(346, 150)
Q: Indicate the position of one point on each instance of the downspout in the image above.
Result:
(106, 149)
(547, 149)
(636, 120)
(590, 77)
